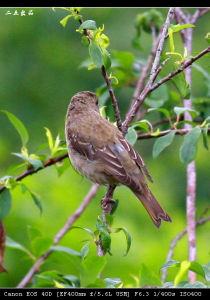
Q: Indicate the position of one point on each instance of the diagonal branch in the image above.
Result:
(60, 235)
(108, 82)
(164, 132)
(186, 64)
(145, 69)
(198, 13)
(113, 98)
(135, 107)
(32, 171)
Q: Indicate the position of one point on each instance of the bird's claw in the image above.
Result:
(107, 204)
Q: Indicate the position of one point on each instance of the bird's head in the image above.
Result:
(84, 101)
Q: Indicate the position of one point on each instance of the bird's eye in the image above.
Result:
(96, 102)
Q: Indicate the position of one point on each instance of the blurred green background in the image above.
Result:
(39, 74)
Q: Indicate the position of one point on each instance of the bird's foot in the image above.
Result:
(107, 204)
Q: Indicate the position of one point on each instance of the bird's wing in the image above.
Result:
(116, 158)
(135, 156)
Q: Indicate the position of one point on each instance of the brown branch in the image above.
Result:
(148, 135)
(135, 107)
(198, 13)
(113, 98)
(108, 82)
(145, 69)
(60, 235)
(175, 241)
(186, 64)
(31, 171)
(180, 16)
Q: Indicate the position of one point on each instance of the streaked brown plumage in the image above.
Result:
(98, 150)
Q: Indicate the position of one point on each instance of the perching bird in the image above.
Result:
(99, 151)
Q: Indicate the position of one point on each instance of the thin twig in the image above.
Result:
(32, 171)
(146, 67)
(60, 235)
(175, 241)
(133, 110)
(113, 98)
(149, 135)
(198, 13)
(186, 64)
(142, 136)
(108, 82)
(100, 250)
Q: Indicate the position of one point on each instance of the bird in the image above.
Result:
(98, 150)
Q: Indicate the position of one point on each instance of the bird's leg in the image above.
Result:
(107, 201)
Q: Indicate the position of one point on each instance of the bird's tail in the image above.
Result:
(153, 208)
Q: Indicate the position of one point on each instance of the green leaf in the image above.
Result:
(8, 181)
(186, 122)
(85, 42)
(195, 284)
(100, 225)
(182, 85)
(161, 143)
(89, 24)
(49, 138)
(106, 59)
(144, 124)
(158, 97)
(207, 37)
(171, 39)
(148, 277)
(170, 263)
(106, 241)
(84, 251)
(47, 278)
(112, 282)
(14, 167)
(74, 280)
(36, 199)
(206, 269)
(58, 285)
(189, 146)
(128, 237)
(98, 283)
(126, 59)
(109, 219)
(114, 207)
(96, 54)
(178, 27)
(104, 235)
(18, 126)
(65, 20)
(65, 250)
(62, 166)
(40, 245)
(131, 136)
(197, 268)
(91, 268)
(184, 267)
(36, 163)
(162, 110)
(205, 137)
(33, 232)
(180, 110)
(5, 203)
(10, 243)
(83, 228)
